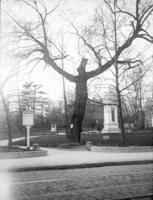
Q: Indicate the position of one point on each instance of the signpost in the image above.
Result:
(28, 121)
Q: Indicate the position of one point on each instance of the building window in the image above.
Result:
(113, 114)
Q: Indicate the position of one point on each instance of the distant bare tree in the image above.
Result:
(5, 103)
(135, 97)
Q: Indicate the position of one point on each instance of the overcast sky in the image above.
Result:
(79, 11)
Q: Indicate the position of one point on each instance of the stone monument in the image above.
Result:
(111, 124)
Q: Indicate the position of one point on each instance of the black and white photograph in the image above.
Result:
(76, 99)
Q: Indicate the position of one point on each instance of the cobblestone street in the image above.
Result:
(82, 184)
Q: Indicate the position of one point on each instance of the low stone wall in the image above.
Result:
(121, 149)
(22, 154)
(143, 138)
(104, 139)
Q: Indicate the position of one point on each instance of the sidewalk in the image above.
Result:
(65, 159)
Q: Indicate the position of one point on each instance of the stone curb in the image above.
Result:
(79, 166)
(22, 154)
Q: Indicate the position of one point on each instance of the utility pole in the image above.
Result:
(140, 98)
(64, 94)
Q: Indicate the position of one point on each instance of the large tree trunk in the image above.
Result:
(121, 119)
(120, 108)
(79, 110)
(81, 95)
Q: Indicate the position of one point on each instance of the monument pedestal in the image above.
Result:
(111, 128)
(110, 117)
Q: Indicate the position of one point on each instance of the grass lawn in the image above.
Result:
(135, 139)
(46, 141)
(14, 149)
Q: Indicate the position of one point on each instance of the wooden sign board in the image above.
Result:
(28, 118)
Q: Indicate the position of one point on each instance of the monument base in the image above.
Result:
(111, 138)
(111, 128)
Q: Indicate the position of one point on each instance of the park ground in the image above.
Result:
(139, 138)
(71, 172)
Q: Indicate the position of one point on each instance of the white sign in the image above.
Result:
(53, 128)
(28, 118)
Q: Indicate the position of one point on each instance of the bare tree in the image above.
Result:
(135, 97)
(5, 103)
(121, 67)
(33, 97)
(43, 47)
